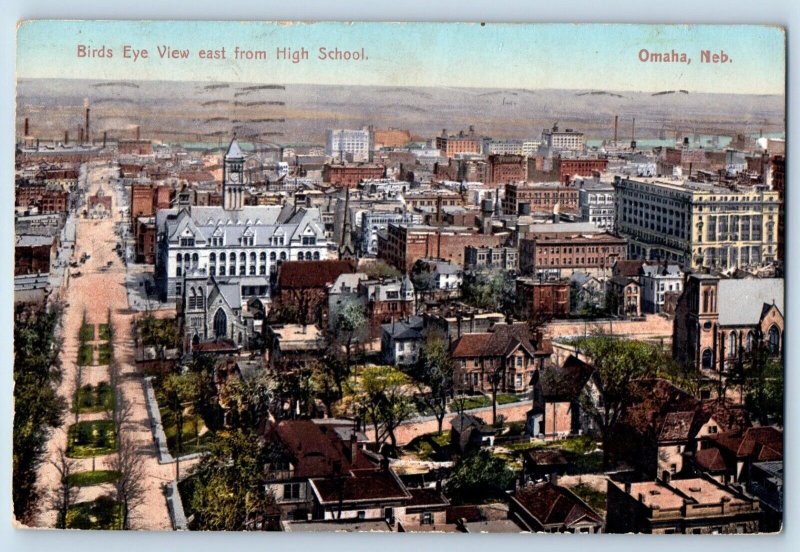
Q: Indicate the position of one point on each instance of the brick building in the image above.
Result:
(541, 197)
(146, 199)
(542, 298)
(404, 245)
(344, 175)
(560, 253)
(504, 169)
(135, 147)
(569, 168)
(145, 236)
(390, 138)
(718, 321)
(303, 286)
(460, 143)
(689, 506)
(34, 254)
(778, 163)
(42, 196)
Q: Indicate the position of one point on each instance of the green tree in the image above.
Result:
(618, 363)
(161, 333)
(37, 406)
(230, 491)
(324, 386)
(479, 476)
(350, 326)
(764, 384)
(379, 270)
(435, 372)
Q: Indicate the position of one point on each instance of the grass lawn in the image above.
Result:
(432, 446)
(105, 352)
(105, 332)
(85, 355)
(594, 498)
(103, 513)
(579, 451)
(92, 398)
(87, 439)
(189, 441)
(86, 333)
(480, 401)
(89, 478)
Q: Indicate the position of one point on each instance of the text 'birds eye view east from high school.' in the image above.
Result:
(453, 278)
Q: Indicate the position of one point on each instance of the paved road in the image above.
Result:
(101, 287)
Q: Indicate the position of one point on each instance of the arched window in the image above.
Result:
(283, 255)
(262, 269)
(195, 258)
(732, 344)
(308, 255)
(179, 258)
(300, 256)
(252, 258)
(774, 339)
(220, 323)
(222, 257)
(212, 270)
(212, 258)
(750, 339)
(221, 270)
(263, 257)
(316, 255)
(252, 270)
(242, 257)
(272, 256)
(707, 358)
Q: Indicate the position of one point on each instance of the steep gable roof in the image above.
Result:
(312, 274)
(553, 505)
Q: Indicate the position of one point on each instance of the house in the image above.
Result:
(737, 451)
(557, 394)
(385, 301)
(766, 483)
(588, 292)
(657, 280)
(625, 295)
(292, 347)
(506, 355)
(664, 427)
(401, 341)
(469, 432)
(549, 508)
(445, 277)
(718, 321)
(690, 506)
(426, 511)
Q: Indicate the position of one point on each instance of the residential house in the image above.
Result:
(558, 392)
(302, 288)
(625, 292)
(470, 432)
(734, 452)
(657, 280)
(549, 508)
(401, 341)
(506, 356)
(541, 464)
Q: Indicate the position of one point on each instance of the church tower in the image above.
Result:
(233, 178)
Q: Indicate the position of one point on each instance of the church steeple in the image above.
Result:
(233, 178)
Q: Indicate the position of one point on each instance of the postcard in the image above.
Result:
(399, 277)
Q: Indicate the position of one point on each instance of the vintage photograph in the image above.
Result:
(399, 277)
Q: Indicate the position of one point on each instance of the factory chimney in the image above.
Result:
(27, 127)
(66, 137)
(616, 124)
(633, 133)
(80, 128)
(104, 138)
(86, 125)
(137, 133)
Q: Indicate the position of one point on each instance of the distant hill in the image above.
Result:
(301, 113)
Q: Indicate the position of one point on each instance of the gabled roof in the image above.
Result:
(567, 381)
(500, 340)
(742, 302)
(361, 486)
(629, 269)
(553, 505)
(234, 151)
(710, 460)
(676, 427)
(760, 444)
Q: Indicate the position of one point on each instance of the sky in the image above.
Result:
(560, 56)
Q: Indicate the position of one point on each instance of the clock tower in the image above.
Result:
(233, 178)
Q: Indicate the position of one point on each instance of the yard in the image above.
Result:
(91, 398)
(582, 452)
(90, 478)
(103, 513)
(85, 355)
(480, 401)
(432, 446)
(87, 439)
(189, 434)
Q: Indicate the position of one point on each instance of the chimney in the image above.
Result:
(104, 138)
(27, 128)
(66, 137)
(627, 487)
(633, 133)
(80, 134)
(137, 133)
(353, 447)
(616, 125)
(88, 139)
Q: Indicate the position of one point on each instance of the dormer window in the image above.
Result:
(187, 242)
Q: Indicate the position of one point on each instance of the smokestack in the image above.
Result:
(137, 133)
(633, 133)
(104, 138)
(66, 137)
(616, 126)
(88, 139)
(81, 134)
(27, 127)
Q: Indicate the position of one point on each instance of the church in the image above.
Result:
(217, 261)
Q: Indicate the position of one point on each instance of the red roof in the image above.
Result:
(550, 505)
(710, 460)
(760, 444)
(360, 485)
(312, 274)
(500, 340)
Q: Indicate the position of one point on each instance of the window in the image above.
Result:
(712, 429)
(361, 515)
(291, 491)
(673, 468)
(427, 518)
